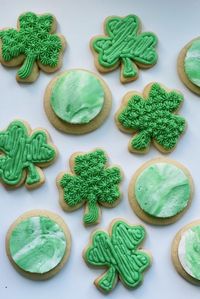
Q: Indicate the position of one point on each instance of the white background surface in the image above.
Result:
(175, 22)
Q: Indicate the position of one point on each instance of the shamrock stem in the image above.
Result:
(33, 176)
(141, 141)
(129, 70)
(92, 214)
(27, 67)
(108, 280)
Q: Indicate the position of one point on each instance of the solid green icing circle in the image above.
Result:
(192, 63)
(77, 97)
(162, 190)
(37, 244)
(189, 251)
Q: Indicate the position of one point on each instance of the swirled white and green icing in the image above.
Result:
(192, 62)
(162, 190)
(77, 97)
(37, 244)
(189, 251)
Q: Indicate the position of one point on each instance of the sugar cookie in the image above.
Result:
(188, 65)
(118, 252)
(33, 46)
(38, 244)
(90, 183)
(124, 45)
(23, 153)
(161, 191)
(186, 252)
(77, 101)
(152, 118)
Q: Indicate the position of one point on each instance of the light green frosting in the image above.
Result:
(189, 251)
(77, 97)
(37, 244)
(192, 63)
(162, 190)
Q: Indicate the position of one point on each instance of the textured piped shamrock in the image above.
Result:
(119, 254)
(124, 45)
(33, 45)
(23, 152)
(90, 184)
(152, 118)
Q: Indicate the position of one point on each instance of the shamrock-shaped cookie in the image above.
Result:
(152, 117)
(124, 45)
(118, 252)
(90, 183)
(33, 45)
(24, 152)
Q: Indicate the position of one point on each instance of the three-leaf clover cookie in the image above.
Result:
(90, 183)
(23, 153)
(152, 117)
(118, 252)
(33, 46)
(124, 45)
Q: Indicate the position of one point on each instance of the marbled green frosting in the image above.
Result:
(192, 63)
(162, 190)
(37, 244)
(189, 251)
(77, 97)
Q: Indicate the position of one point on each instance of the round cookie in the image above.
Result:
(186, 252)
(33, 46)
(151, 117)
(119, 252)
(124, 46)
(38, 244)
(24, 152)
(188, 65)
(160, 191)
(90, 183)
(77, 101)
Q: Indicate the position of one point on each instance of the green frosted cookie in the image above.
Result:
(152, 118)
(118, 252)
(186, 252)
(34, 46)
(160, 191)
(38, 244)
(124, 45)
(90, 183)
(189, 65)
(77, 101)
(23, 153)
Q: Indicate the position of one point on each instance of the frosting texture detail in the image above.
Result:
(37, 244)
(77, 97)
(162, 190)
(192, 63)
(189, 251)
